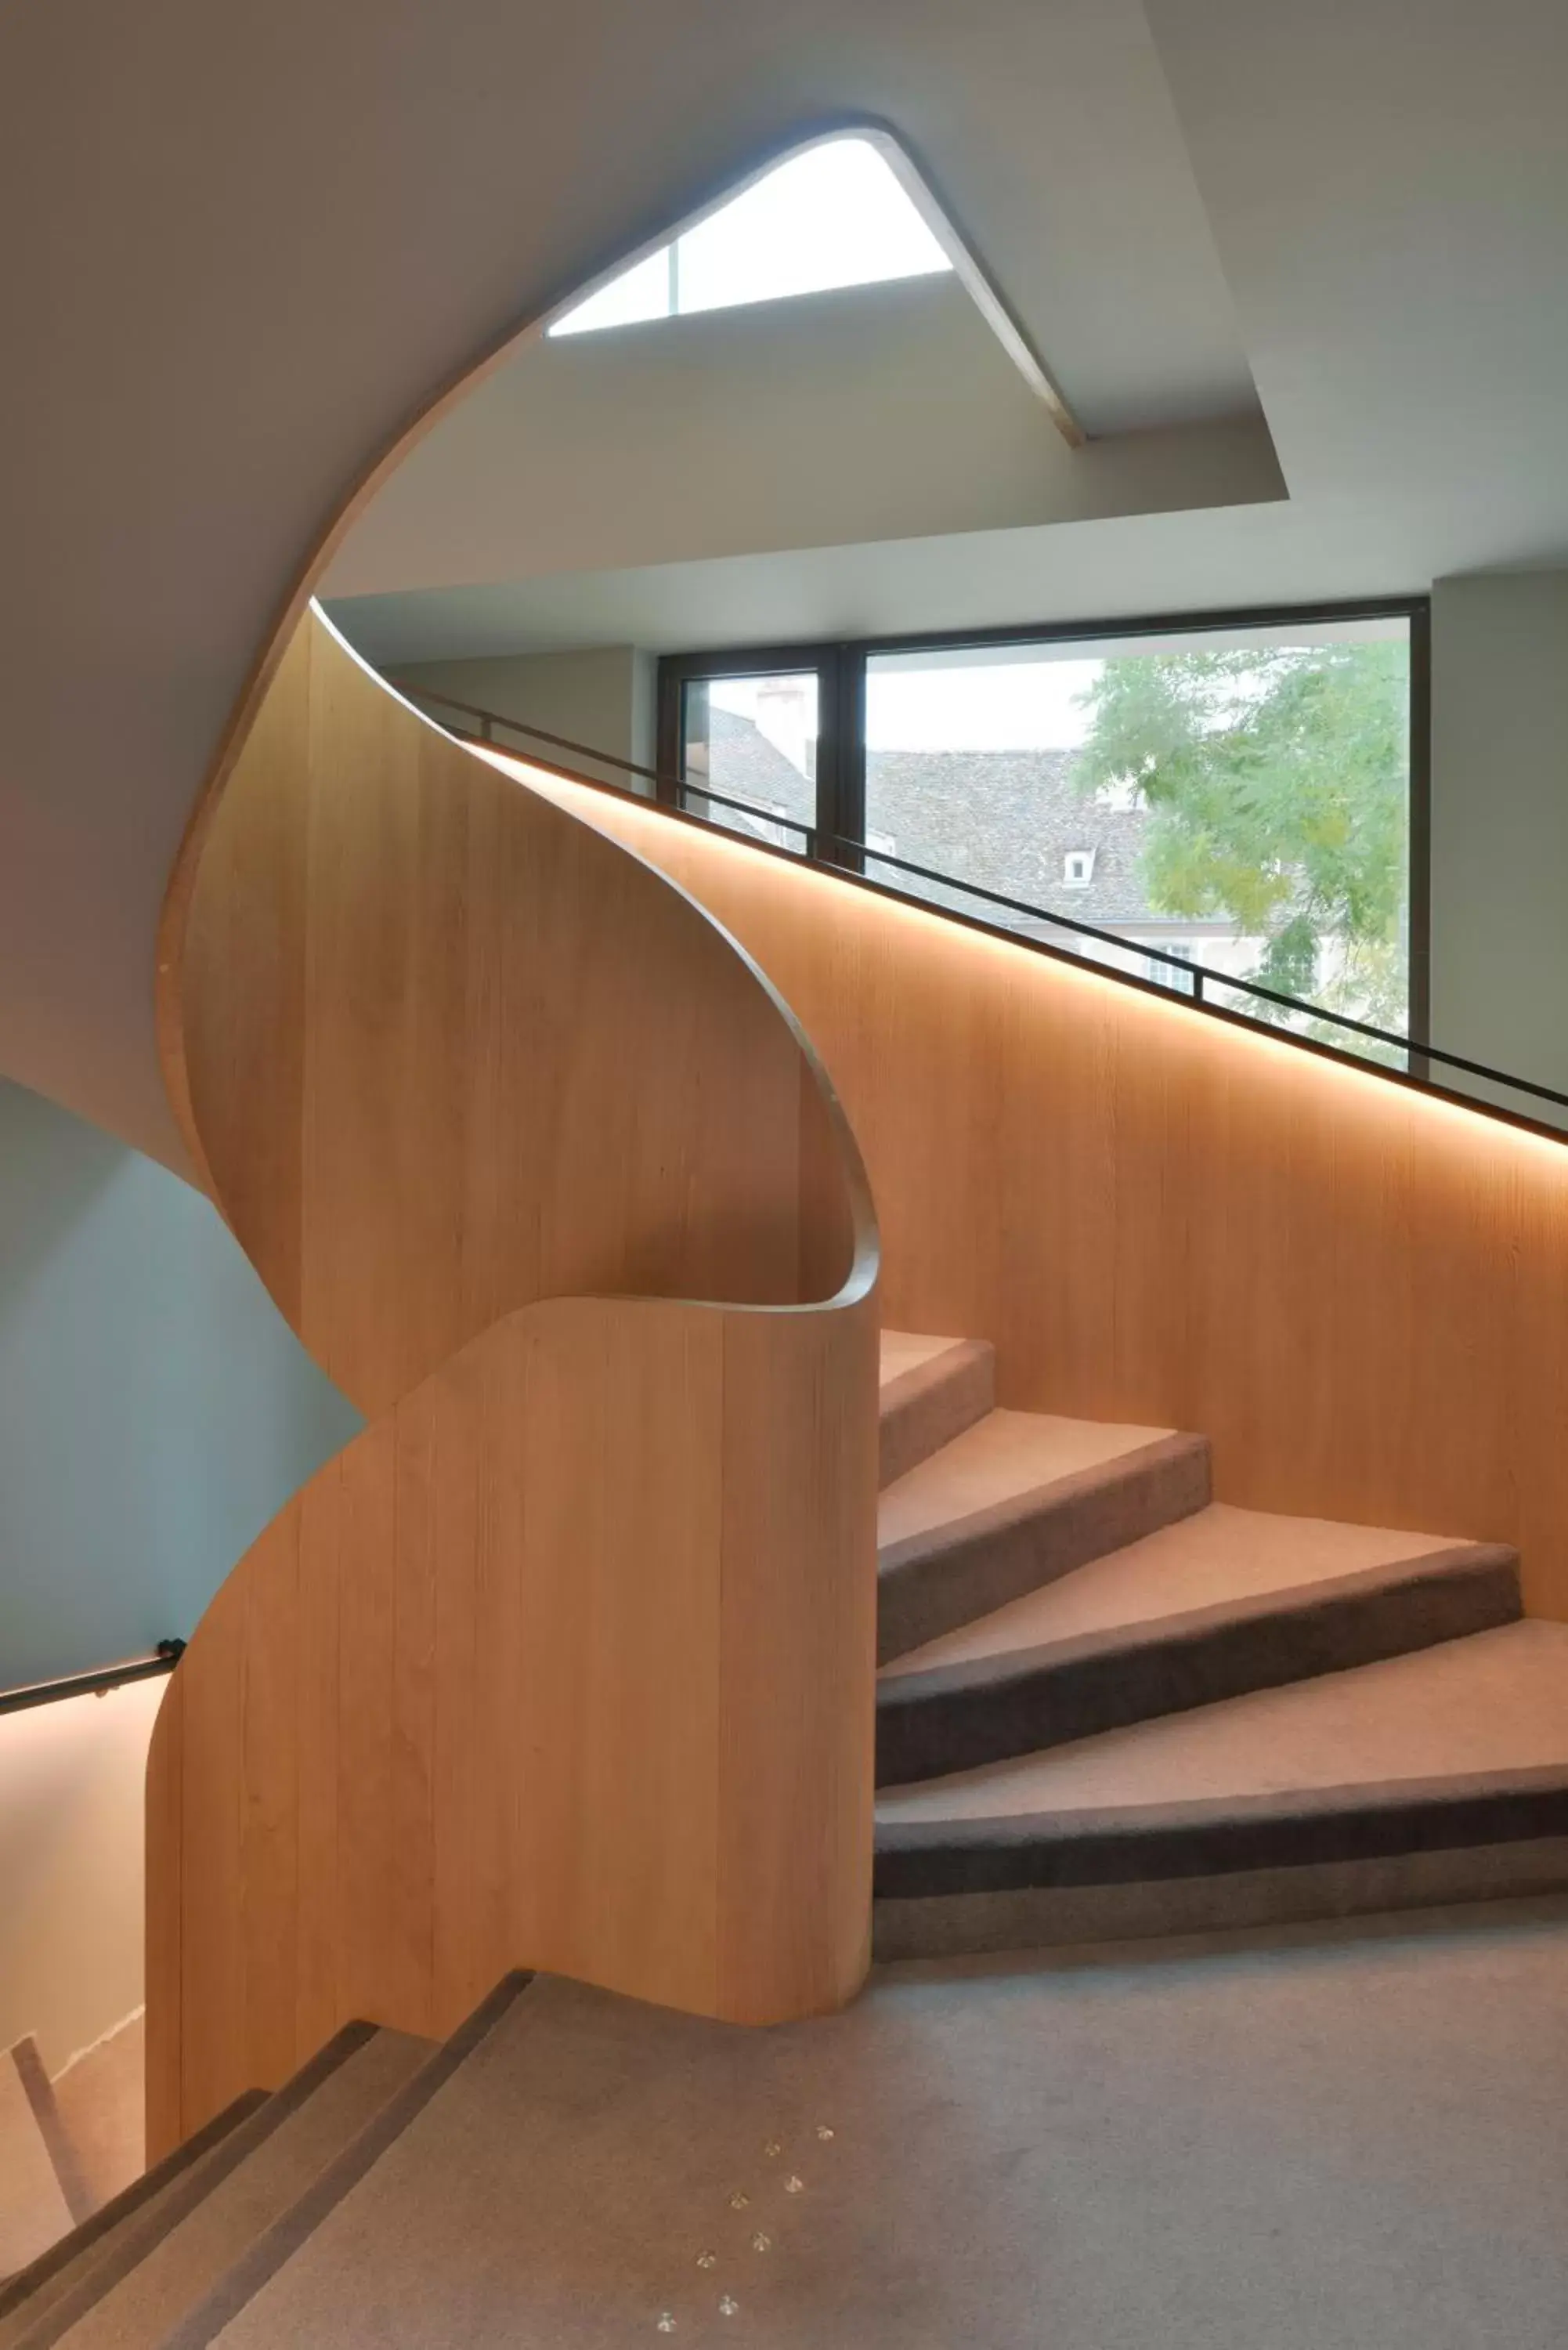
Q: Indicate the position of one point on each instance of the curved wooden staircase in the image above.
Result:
(1110, 1705)
(571, 1660)
(567, 1660)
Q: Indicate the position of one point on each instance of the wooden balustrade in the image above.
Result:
(567, 1660)
(1359, 1291)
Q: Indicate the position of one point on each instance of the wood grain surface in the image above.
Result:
(567, 1660)
(1359, 1292)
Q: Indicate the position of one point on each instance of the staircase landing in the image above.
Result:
(1187, 2151)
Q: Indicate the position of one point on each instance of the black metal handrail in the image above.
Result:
(1201, 976)
(96, 1680)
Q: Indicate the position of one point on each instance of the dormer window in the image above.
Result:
(1078, 868)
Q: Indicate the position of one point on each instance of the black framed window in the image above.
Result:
(1242, 793)
(773, 734)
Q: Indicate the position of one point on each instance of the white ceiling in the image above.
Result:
(873, 415)
(1392, 217)
(247, 247)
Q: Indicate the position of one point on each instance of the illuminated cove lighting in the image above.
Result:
(837, 214)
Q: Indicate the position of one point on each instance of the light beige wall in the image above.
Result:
(71, 1848)
(1500, 822)
(602, 695)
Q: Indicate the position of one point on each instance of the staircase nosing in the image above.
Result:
(931, 1404)
(278, 2243)
(129, 2199)
(950, 1534)
(1003, 1668)
(933, 1371)
(228, 2154)
(1217, 1835)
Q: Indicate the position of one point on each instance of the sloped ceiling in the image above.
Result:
(247, 246)
(874, 412)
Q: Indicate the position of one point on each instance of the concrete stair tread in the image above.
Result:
(997, 1462)
(1496, 1703)
(158, 2275)
(1220, 1557)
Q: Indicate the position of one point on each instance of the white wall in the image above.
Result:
(603, 695)
(869, 413)
(155, 1410)
(1500, 822)
(71, 1865)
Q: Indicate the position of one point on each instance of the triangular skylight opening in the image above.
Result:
(833, 213)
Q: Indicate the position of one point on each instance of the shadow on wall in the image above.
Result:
(155, 1410)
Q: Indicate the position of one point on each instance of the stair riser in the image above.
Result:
(1041, 1918)
(26, 2297)
(159, 2222)
(926, 1408)
(276, 2244)
(961, 1717)
(932, 1584)
(1125, 1846)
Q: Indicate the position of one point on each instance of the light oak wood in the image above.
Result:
(442, 1049)
(567, 1660)
(1359, 1292)
(558, 1664)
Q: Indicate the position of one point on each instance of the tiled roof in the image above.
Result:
(1007, 820)
(746, 763)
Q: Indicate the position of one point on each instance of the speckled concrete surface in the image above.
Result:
(1354, 2141)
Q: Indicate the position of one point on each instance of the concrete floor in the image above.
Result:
(1345, 2139)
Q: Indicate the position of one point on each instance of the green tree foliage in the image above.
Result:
(1276, 783)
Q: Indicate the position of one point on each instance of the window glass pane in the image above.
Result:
(835, 215)
(1240, 802)
(753, 739)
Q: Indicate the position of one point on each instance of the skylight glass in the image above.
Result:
(834, 215)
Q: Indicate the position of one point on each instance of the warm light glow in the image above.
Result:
(656, 833)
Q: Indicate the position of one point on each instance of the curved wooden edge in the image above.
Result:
(1358, 1291)
(865, 1252)
(448, 1048)
(359, 493)
(568, 1663)
(568, 1660)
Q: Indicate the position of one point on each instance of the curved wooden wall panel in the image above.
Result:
(567, 1660)
(442, 1048)
(1360, 1293)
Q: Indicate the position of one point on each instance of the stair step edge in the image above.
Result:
(967, 1567)
(1216, 1836)
(90, 2239)
(1456, 1564)
(139, 2243)
(924, 1408)
(278, 2243)
(961, 1717)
